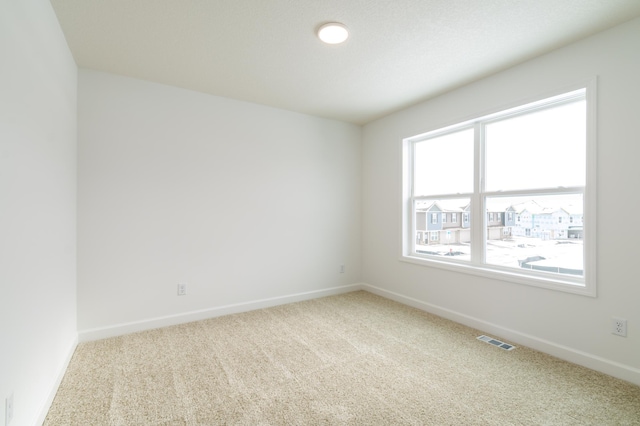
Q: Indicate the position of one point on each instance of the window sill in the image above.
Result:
(543, 281)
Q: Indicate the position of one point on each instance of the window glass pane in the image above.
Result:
(542, 233)
(444, 165)
(435, 237)
(542, 149)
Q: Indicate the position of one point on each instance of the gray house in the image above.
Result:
(436, 224)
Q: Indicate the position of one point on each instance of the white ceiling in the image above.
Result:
(265, 51)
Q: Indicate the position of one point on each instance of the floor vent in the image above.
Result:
(494, 342)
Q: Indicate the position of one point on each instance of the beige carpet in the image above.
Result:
(352, 359)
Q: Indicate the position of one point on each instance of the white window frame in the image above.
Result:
(584, 285)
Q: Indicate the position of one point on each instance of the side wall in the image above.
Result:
(574, 327)
(248, 205)
(38, 86)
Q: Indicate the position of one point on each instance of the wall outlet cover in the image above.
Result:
(619, 326)
(182, 289)
(8, 409)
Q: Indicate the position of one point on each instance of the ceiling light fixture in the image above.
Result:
(333, 33)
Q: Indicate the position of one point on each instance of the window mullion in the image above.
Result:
(477, 219)
(536, 191)
(411, 219)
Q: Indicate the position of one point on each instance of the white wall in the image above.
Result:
(241, 201)
(38, 82)
(571, 326)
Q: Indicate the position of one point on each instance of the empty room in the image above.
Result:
(319, 212)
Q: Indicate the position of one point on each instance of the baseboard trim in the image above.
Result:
(62, 369)
(169, 320)
(606, 366)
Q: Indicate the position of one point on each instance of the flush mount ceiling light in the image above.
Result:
(333, 33)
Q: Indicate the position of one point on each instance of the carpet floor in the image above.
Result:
(352, 359)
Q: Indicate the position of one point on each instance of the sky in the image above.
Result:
(541, 149)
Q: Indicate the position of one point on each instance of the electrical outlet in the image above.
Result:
(8, 410)
(342, 269)
(182, 289)
(619, 326)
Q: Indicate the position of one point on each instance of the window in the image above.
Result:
(536, 161)
(434, 218)
(444, 218)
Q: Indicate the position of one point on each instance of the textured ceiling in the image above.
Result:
(265, 51)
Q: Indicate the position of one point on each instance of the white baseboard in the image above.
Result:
(149, 324)
(62, 369)
(611, 368)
